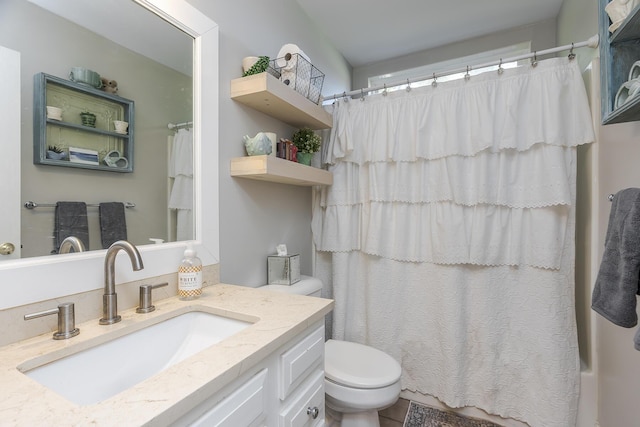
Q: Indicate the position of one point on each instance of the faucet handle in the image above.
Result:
(145, 298)
(66, 320)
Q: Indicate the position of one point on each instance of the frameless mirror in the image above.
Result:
(29, 280)
(145, 59)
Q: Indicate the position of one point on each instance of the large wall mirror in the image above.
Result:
(158, 52)
(151, 62)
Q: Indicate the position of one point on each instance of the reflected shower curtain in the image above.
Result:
(181, 170)
(447, 236)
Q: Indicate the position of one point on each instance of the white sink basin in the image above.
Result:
(105, 370)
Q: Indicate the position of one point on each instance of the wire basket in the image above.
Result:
(297, 72)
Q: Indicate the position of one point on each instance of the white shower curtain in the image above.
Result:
(447, 236)
(181, 170)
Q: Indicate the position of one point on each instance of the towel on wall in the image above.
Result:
(70, 220)
(614, 295)
(113, 225)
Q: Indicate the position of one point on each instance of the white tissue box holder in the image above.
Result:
(283, 270)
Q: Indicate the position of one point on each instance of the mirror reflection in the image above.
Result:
(153, 69)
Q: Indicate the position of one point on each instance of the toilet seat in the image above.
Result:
(359, 366)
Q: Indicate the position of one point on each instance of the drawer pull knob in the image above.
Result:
(314, 412)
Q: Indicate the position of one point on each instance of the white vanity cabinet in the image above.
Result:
(286, 389)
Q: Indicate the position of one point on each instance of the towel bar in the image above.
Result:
(33, 205)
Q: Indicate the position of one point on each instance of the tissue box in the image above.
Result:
(283, 270)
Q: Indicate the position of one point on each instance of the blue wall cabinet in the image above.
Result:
(80, 131)
(618, 52)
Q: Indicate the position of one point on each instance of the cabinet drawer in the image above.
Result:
(244, 407)
(299, 413)
(298, 361)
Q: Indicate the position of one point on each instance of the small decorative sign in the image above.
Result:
(82, 155)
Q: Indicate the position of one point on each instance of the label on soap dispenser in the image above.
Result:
(189, 281)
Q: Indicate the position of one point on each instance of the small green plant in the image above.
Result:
(306, 141)
(260, 66)
(54, 148)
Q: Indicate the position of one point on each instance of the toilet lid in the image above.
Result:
(356, 365)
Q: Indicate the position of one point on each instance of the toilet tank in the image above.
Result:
(307, 285)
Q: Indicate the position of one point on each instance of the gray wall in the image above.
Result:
(542, 36)
(256, 216)
(52, 45)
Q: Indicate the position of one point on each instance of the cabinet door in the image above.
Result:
(307, 407)
(299, 360)
(246, 406)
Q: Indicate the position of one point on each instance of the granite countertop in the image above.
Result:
(278, 318)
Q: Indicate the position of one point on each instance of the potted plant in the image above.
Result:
(260, 66)
(55, 153)
(88, 119)
(307, 142)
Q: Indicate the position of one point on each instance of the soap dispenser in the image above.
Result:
(190, 276)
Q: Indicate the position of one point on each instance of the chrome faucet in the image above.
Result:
(110, 298)
(71, 242)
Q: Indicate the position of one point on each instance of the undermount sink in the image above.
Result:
(107, 369)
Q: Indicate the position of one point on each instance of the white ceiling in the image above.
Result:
(368, 31)
(132, 27)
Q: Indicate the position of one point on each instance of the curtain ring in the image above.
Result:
(361, 94)
(434, 83)
(467, 76)
(384, 91)
(408, 88)
(500, 69)
(571, 54)
(534, 60)
(344, 96)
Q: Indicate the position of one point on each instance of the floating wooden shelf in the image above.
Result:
(265, 93)
(274, 169)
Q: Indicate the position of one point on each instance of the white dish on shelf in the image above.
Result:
(54, 113)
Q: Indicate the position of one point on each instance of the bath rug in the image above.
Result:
(424, 416)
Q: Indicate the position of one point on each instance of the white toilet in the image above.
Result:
(359, 380)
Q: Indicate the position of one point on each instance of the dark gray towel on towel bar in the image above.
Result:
(113, 226)
(614, 295)
(70, 220)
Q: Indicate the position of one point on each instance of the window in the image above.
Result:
(453, 64)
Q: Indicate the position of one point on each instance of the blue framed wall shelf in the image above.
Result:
(618, 52)
(79, 130)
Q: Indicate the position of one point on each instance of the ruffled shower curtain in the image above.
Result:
(181, 170)
(447, 238)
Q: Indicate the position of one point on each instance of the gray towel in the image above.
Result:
(614, 295)
(70, 220)
(113, 226)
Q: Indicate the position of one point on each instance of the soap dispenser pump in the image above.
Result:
(190, 276)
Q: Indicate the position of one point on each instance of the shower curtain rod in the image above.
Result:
(592, 42)
(179, 125)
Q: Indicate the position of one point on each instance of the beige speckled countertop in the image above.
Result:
(278, 318)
